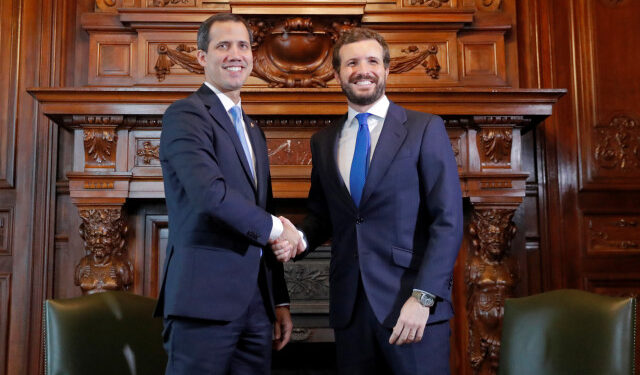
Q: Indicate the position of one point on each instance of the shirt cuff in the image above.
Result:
(276, 229)
(302, 239)
(283, 305)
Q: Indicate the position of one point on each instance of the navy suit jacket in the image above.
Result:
(407, 231)
(218, 219)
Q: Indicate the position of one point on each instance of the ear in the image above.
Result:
(386, 74)
(202, 57)
(336, 75)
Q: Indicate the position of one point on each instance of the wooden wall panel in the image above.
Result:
(5, 308)
(9, 22)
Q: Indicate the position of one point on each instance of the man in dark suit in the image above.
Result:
(220, 291)
(385, 187)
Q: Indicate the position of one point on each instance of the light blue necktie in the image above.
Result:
(360, 162)
(236, 113)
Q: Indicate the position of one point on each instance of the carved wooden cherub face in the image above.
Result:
(228, 60)
(362, 73)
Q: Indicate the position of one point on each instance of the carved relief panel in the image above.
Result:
(6, 231)
(612, 234)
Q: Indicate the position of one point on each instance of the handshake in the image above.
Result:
(289, 244)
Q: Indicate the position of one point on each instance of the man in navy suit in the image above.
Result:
(221, 290)
(385, 188)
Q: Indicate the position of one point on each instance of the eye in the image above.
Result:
(222, 45)
(373, 61)
(244, 45)
(351, 63)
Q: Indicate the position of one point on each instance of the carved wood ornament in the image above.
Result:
(105, 267)
(618, 144)
(490, 279)
(99, 146)
(295, 52)
(429, 3)
(496, 145)
(149, 152)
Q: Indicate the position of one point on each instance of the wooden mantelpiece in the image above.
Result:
(116, 134)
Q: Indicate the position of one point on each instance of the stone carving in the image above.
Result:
(490, 279)
(429, 3)
(149, 152)
(104, 266)
(413, 56)
(99, 146)
(181, 56)
(306, 281)
(296, 51)
(618, 144)
(496, 145)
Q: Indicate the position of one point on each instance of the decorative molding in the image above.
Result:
(307, 281)
(413, 56)
(429, 3)
(75, 121)
(106, 5)
(501, 120)
(618, 144)
(295, 51)
(488, 4)
(6, 231)
(490, 277)
(294, 122)
(164, 3)
(99, 147)
(99, 184)
(5, 309)
(168, 57)
(104, 267)
(149, 152)
(496, 145)
(610, 234)
(143, 122)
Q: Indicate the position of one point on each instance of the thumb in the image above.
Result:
(277, 331)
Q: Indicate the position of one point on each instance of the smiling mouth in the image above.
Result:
(234, 68)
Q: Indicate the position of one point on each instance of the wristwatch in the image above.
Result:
(425, 299)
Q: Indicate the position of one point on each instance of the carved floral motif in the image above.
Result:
(306, 281)
(149, 152)
(164, 3)
(496, 145)
(413, 56)
(490, 278)
(104, 266)
(99, 145)
(618, 144)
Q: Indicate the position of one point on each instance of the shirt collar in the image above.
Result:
(379, 109)
(227, 103)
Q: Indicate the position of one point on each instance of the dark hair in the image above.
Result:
(358, 34)
(205, 27)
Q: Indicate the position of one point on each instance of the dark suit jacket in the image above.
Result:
(408, 229)
(218, 218)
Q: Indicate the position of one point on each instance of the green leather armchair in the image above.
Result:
(103, 333)
(568, 332)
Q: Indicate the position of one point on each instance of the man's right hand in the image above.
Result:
(288, 244)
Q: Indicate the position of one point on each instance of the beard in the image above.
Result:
(363, 100)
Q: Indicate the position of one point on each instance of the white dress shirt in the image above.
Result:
(347, 141)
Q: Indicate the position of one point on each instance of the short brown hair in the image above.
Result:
(355, 35)
(205, 27)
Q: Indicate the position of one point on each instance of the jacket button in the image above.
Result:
(359, 220)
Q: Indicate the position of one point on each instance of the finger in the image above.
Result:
(419, 334)
(402, 339)
(411, 336)
(395, 334)
(277, 332)
(286, 336)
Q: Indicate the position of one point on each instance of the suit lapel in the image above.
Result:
(391, 138)
(216, 109)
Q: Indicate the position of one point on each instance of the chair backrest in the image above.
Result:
(568, 332)
(103, 333)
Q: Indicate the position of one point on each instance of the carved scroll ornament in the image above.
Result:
(488, 4)
(306, 281)
(618, 144)
(490, 279)
(103, 231)
(413, 57)
(164, 3)
(429, 3)
(167, 58)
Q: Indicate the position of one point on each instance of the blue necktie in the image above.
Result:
(360, 162)
(236, 113)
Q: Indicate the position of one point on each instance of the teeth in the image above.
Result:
(234, 68)
(362, 83)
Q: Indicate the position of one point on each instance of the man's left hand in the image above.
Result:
(411, 323)
(282, 327)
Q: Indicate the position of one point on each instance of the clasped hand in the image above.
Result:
(289, 244)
